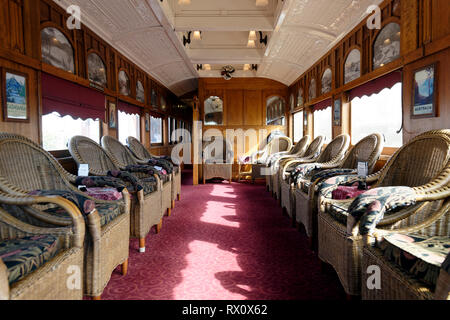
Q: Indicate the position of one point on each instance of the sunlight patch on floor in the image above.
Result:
(221, 213)
(222, 190)
(199, 282)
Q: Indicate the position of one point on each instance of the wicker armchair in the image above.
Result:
(124, 157)
(298, 151)
(422, 164)
(26, 167)
(146, 205)
(37, 259)
(218, 165)
(141, 153)
(417, 278)
(260, 159)
(311, 155)
(305, 194)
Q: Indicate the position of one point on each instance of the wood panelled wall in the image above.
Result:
(244, 104)
(20, 50)
(425, 39)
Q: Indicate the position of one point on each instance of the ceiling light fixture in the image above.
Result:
(184, 2)
(251, 44)
(246, 67)
(207, 67)
(262, 3)
(252, 35)
(187, 40)
(197, 35)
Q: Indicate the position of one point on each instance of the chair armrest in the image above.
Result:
(78, 224)
(4, 283)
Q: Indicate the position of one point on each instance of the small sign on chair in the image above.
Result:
(363, 169)
(83, 170)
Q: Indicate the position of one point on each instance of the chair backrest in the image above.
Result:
(279, 144)
(300, 147)
(336, 150)
(368, 149)
(25, 166)
(120, 153)
(87, 151)
(315, 147)
(218, 149)
(138, 149)
(420, 161)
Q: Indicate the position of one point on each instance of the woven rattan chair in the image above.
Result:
(141, 153)
(305, 194)
(311, 155)
(26, 167)
(422, 164)
(218, 157)
(37, 259)
(260, 159)
(145, 210)
(125, 157)
(429, 221)
(298, 151)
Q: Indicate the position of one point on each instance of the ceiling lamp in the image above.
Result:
(184, 2)
(251, 44)
(252, 35)
(262, 3)
(246, 67)
(197, 35)
(207, 67)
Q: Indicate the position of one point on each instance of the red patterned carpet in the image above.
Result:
(224, 242)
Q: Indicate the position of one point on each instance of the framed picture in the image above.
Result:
(15, 96)
(424, 92)
(147, 122)
(352, 66)
(112, 117)
(337, 112)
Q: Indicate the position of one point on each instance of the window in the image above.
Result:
(156, 130)
(379, 113)
(57, 130)
(322, 124)
(129, 126)
(298, 126)
(169, 129)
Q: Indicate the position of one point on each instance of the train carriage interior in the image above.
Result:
(225, 150)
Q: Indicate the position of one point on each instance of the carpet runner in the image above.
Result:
(224, 242)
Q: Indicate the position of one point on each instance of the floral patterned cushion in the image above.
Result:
(108, 194)
(106, 211)
(23, 256)
(420, 256)
(347, 192)
(85, 205)
(370, 207)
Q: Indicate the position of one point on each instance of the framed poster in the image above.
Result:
(337, 112)
(15, 96)
(424, 92)
(112, 117)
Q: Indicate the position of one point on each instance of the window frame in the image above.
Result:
(301, 122)
(387, 152)
(58, 153)
(157, 144)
